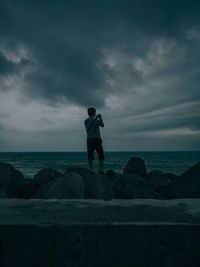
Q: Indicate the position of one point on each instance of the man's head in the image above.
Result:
(91, 112)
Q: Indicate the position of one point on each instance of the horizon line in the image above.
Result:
(108, 151)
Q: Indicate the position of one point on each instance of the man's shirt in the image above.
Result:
(94, 131)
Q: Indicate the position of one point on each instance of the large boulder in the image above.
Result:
(27, 188)
(96, 185)
(45, 175)
(13, 184)
(110, 173)
(68, 186)
(157, 179)
(188, 184)
(162, 183)
(10, 180)
(137, 166)
(111, 178)
(133, 186)
(172, 177)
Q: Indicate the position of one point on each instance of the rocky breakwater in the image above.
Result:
(49, 228)
(80, 183)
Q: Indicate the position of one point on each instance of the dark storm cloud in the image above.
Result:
(67, 70)
(67, 40)
(6, 67)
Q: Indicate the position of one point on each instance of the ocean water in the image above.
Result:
(31, 162)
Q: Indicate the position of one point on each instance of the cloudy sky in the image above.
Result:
(137, 62)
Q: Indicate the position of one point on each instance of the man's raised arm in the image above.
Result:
(101, 123)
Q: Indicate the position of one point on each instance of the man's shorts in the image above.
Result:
(95, 144)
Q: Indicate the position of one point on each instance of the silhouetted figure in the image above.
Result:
(94, 141)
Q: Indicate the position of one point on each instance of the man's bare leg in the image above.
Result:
(101, 165)
(90, 163)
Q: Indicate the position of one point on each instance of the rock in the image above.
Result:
(172, 177)
(13, 184)
(168, 191)
(27, 188)
(45, 175)
(111, 177)
(157, 178)
(188, 184)
(133, 186)
(68, 186)
(110, 173)
(112, 180)
(10, 180)
(136, 166)
(161, 183)
(96, 185)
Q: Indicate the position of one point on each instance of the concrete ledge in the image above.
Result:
(125, 233)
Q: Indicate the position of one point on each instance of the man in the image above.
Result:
(94, 141)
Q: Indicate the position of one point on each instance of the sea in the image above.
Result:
(29, 163)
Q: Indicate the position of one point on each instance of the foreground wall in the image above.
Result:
(96, 233)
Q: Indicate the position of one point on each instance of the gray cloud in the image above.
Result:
(6, 67)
